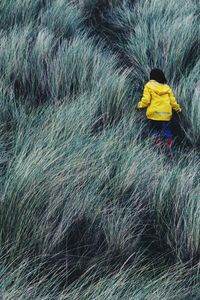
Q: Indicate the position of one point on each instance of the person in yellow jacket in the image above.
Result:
(159, 101)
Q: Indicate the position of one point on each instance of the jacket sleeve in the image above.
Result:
(146, 98)
(173, 102)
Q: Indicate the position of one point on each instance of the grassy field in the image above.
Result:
(88, 208)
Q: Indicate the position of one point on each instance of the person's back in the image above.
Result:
(159, 100)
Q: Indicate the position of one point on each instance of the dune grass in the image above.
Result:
(88, 208)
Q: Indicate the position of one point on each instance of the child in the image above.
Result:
(159, 100)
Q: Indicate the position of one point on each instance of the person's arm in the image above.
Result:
(173, 102)
(146, 98)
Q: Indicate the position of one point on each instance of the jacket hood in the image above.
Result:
(158, 88)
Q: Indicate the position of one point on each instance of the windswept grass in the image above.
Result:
(21, 12)
(88, 208)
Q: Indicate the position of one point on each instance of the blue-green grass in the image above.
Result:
(88, 208)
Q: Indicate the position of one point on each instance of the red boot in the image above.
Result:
(168, 146)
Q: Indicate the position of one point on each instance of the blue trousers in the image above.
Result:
(161, 129)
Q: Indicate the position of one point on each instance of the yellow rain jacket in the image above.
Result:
(159, 100)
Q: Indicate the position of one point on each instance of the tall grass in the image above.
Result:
(88, 208)
(189, 91)
(156, 34)
(63, 19)
(20, 12)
